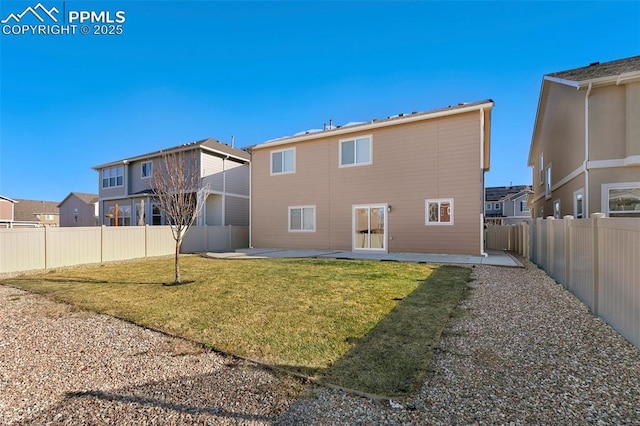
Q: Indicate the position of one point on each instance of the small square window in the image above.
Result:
(302, 219)
(439, 212)
(147, 169)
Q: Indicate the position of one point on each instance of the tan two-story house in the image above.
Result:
(585, 149)
(408, 183)
(126, 194)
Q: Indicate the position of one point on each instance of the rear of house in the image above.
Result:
(409, 183)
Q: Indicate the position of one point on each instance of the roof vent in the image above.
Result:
(594, 63)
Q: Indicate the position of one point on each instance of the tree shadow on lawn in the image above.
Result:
(395, 357)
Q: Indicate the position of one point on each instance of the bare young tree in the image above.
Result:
(181, 193)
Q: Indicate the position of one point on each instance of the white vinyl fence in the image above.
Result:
(597, 259)
(23, 249)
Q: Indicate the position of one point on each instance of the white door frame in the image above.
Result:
(385, 236)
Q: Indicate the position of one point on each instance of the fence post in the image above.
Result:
(525, 241)
(550, 254)
(596, 261)
(568, 222)
(538, 239)
(102, 231)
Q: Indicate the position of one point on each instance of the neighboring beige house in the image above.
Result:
(36, 213)
(408, 183)
(585, 150)
(6, 211)
(127, 185)
(79, 209)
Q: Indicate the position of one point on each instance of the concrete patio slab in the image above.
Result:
(494, 257)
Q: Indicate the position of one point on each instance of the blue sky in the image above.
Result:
(183, 71)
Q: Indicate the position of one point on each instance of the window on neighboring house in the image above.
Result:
(623, 200)
(147, 169)
(489, 206)
(547, 182)
(355, 152)
(302, 219)
(112, 177)
(523, 206)
(122, 218)
(283, 161)
(578, 204)
(541, 212)
(496, 206)
(439, 212)
(156, 214)
(541, 168)
(556, 209)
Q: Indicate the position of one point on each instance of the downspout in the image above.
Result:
(250, 203)
(482, 191)
(224, 191)
(585, 207)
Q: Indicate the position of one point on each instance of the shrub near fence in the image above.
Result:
(597, 259)
(23, 249)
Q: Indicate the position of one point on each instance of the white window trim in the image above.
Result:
(541, 168)
(271, 172)
(524, 207)
(142, 176)
(340, 141)
(438, 200)
(302, 218)
(489, 206)
(496, 206)
(575, 203)
(547, 182)
(559, 216)
(116, 177)
(604, 197)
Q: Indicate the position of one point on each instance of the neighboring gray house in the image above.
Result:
(126, 194)
(505, 203)
(79, 209)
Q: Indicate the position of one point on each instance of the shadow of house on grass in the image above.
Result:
(395, 357)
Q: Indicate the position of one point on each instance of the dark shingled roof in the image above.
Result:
(598, 70)
(26, 210)
(496, 193)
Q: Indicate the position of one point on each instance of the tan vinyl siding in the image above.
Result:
(6, 210)
(607, 127)
(136, 182)
(411, 162)
(633, 121)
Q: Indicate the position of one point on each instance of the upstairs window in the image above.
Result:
(547, 182)
(112, 177)
(355, 152)
(489, 206)
(283, 161)
(541, 168)
(439, 212)
(523, 206)
(496, 206)
(147, 169)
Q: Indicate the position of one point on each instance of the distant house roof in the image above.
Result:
(375, 123)
(210, 145)
(498, 193)
(515, 196)
(26, 210)
(605, 72)
(86, 197)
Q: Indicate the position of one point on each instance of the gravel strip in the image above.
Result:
(522, 351)
(64, 366)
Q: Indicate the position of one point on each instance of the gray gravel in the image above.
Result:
(521, 351)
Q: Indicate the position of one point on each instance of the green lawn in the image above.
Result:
(301, 314)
